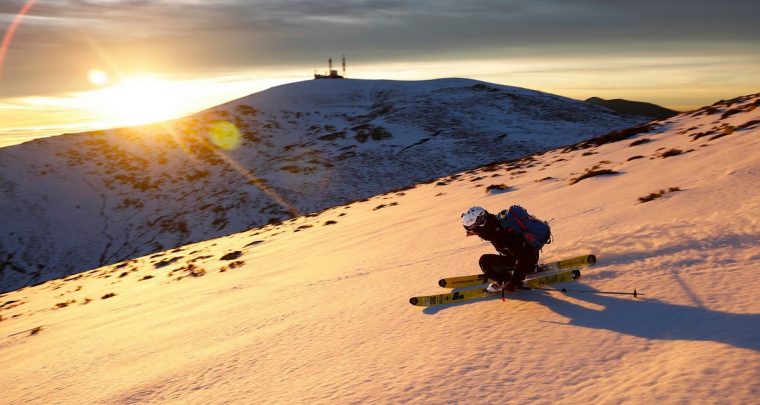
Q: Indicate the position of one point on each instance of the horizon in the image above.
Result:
(80, 66)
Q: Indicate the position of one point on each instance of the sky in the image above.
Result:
(70, 65)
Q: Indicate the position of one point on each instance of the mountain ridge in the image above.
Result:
(86, 200)
(634, 107)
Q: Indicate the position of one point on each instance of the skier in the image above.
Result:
(515, 256)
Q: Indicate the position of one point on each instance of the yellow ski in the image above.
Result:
(467, 295)
(476, 279)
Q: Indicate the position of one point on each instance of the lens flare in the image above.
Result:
(12, 30)
(224, 135)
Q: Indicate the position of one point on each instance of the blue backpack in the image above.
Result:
(536, 232)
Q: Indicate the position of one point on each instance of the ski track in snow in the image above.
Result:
(315, 310)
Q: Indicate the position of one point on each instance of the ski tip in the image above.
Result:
(591, 259)
(413, 300)
(442, 282)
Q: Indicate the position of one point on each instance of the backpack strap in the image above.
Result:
(517, 219)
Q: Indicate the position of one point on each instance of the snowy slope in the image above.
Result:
(85, 200)
(315, 310)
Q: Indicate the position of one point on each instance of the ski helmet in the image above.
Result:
(473, 218)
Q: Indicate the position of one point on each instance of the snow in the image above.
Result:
(81, 201)
(318, 312)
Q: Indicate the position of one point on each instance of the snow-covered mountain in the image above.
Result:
(315, 310)
(85, 200)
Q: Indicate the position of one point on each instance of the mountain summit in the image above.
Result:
(80, 201)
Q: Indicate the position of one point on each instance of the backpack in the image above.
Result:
(536, 232)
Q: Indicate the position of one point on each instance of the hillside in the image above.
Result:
(85, 200)
(315, 310)
(634, 107)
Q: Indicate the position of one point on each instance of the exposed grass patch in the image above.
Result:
(107, 296)
(702, 134)
(34, 331)
(72, 278)
(593, 173)
(748, 124)
(231, 255)
(330, 222)
(640, 142)
(726, 130)
(64, 304)
(653, 196)
(10, 304)
(333, 136)
(199, 258)
(166, 262)
(614, 136)
(190, 270)
(366, 132)
(297, 169)
(671, 152)
(302, 227)
(491, 167)
(498, 188)
(731, 112)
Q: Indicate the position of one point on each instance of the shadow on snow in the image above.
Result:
(654, 319)
(645, 318)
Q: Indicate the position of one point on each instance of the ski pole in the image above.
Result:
(566, 290)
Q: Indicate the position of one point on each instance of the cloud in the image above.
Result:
(204, 36)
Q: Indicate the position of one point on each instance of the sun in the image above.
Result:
(141, 99)
(97, 77)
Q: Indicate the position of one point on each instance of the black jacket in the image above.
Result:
(511, 245)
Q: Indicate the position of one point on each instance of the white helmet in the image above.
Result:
(473, 218)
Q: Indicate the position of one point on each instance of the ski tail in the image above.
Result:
(573, 263)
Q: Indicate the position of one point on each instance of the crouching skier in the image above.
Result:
(516, 235)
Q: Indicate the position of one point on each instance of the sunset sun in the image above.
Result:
(140, 99)
(97, 77)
